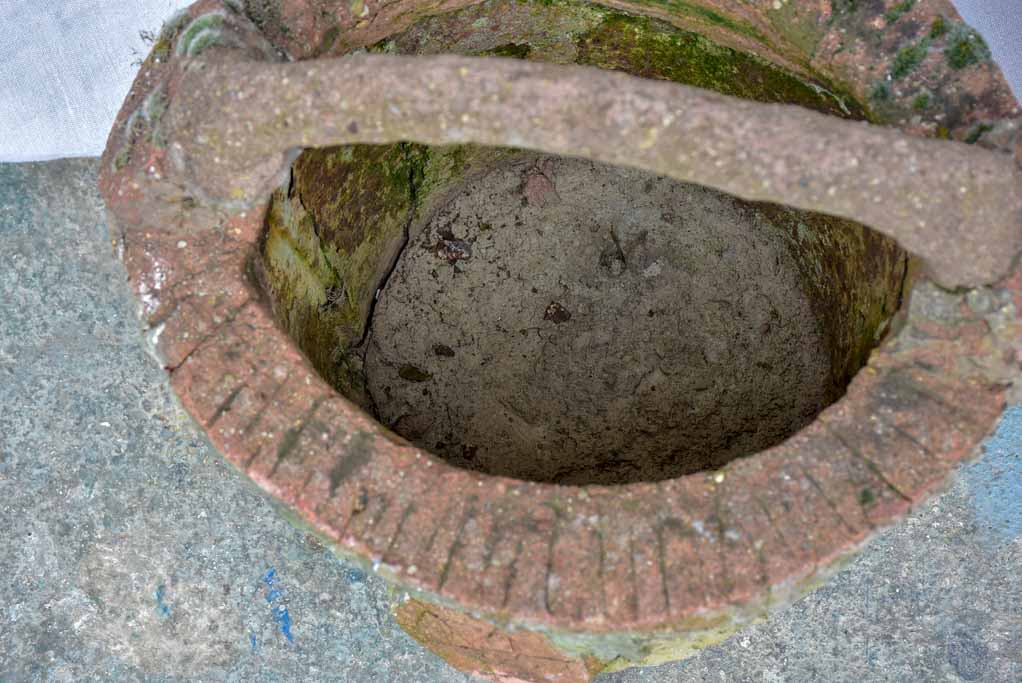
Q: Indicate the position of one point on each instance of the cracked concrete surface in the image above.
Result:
(133, 552)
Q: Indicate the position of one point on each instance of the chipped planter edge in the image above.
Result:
(605, 574)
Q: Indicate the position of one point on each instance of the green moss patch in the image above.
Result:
(898, 11)
(515, 50)
(563, 31)
(705, 14)
(330, 239)
(333, 236)
(977, 132)
(880, 92)
(652, 49)
(867, 497)
(965, 47)
(909, 57)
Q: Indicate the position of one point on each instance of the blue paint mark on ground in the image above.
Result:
(275, 598)
(354, 575)
(995, 480)
(252, 640)
(161, 607)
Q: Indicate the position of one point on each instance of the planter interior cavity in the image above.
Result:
(561, 320)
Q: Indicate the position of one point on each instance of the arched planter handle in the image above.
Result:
(957, 206)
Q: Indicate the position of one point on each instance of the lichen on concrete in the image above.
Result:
(965, 47)
(831, 253)
(332, 236)
(203, 31)
(576, 32)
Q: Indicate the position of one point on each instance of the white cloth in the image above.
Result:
(66, 66)
(65, 69)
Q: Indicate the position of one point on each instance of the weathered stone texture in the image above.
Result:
(600, 576)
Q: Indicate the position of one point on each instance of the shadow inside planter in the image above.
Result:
(561, 320)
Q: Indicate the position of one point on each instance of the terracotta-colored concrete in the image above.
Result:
(479, 647)
(560, 570)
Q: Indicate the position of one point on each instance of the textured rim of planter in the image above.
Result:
(522, 579)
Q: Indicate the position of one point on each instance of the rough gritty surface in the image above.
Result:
(719, 547)
(264, 407)
(561, 320)
(948, 203)
(106, 488)
(132, 551)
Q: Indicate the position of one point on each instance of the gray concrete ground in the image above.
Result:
(134, 553)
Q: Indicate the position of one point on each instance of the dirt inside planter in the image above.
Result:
(560, 320)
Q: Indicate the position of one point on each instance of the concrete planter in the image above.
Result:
(313, 198)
